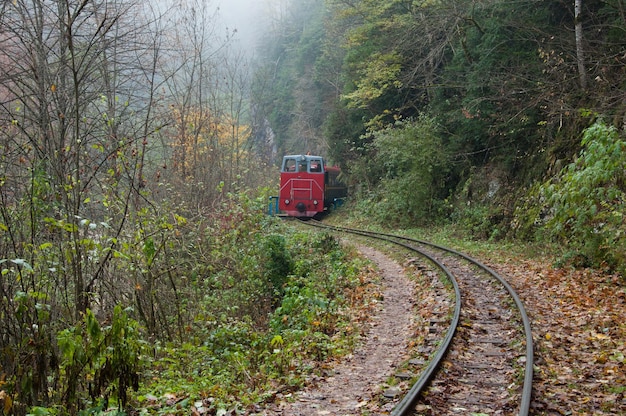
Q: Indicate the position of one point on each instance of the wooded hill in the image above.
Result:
(463, 110)
(135, 251)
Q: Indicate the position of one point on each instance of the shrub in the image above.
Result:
(105, 362)
(277, 263)
(413, 160)
(231, 359)
(584, 204)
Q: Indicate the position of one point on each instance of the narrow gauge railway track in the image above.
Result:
(483, 364)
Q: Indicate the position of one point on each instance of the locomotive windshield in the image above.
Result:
(302, 163)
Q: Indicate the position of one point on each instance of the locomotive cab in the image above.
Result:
(307, 185)
(301, 163)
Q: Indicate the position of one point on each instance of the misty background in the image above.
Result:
(246, 20)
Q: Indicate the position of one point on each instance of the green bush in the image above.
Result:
(584, 205)
(480, 221)
(413, 162)
(103, 361)
(201, 290)
(233, 355)
(277, 263)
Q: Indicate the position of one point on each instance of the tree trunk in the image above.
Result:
(580, 54)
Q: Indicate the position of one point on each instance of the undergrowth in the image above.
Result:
(215, 312)
(232, 358)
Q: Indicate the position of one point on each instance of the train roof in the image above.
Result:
(302, 157)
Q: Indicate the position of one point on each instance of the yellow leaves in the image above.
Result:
(5, 402)
(277, 342)
(53, 88)
(378, 75)
(180, 220)
(201, 138)
(611, 370)
(602, 358)
(577, 319)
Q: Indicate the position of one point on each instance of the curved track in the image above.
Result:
(483, 362)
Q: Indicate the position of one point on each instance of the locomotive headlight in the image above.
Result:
(315, 202)
(286, 202)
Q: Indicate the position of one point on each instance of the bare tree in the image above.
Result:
(209, 90)
(78, 99)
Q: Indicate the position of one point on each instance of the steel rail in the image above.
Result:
(405, 405)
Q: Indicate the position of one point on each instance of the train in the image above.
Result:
(308, 186)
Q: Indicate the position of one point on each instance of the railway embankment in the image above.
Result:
(578, 334)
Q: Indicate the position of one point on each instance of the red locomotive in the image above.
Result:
(309, 187)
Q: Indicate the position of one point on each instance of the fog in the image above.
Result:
(249, 18)
(242, 21)
(244, 16)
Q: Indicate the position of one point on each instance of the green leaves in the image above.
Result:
(22, 263)
(410, 162)
(277, 263)
(378, 75)
(109, 357)
(149, 250)
(586, 201)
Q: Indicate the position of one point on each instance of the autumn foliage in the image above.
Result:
(579, 335)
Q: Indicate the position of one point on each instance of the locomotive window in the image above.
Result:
(316, 165)
(289, 165)
(303, 164)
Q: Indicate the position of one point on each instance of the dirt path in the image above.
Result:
(355, 385)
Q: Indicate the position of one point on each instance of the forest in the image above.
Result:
(507, 118)
(139, 146)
